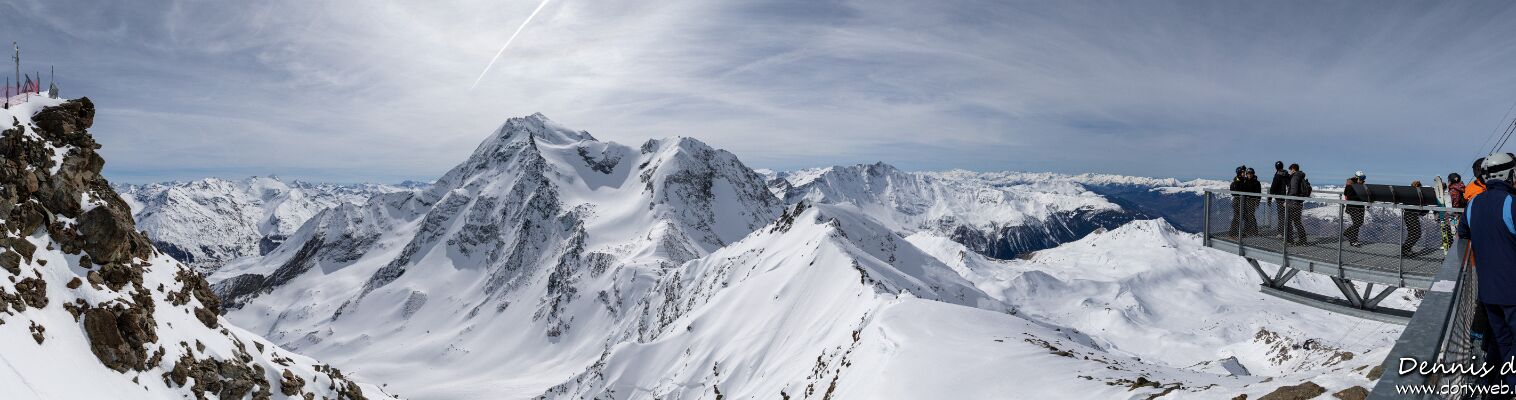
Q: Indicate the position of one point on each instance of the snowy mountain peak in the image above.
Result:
(539, 127)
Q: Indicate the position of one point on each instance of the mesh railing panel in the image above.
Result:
(1388, 238)
(1443, 330)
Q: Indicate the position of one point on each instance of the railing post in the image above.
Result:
(1341, 232)
(1405, 233)
(1242, 232)
(1288, 219)
(1206, 225)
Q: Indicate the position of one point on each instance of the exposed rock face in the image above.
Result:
(1352, 393)
(53, 196)
(117, 334)
(1303, 391)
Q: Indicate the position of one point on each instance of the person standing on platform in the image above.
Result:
(1487, 225)
(1278, 187)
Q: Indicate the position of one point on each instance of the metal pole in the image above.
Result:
(1288, 215)
(17, 58)
(1405, 233)
(1206, 224)
(1242, 232)
(1341, 231)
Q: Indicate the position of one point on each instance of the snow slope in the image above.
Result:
(1151, 292)
(89, 310)
(207, 222)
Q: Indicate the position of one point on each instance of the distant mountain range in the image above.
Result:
(550, 264)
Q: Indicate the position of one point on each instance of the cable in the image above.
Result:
(1504, 138)
(1497, 127)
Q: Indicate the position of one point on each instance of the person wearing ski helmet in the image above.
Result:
(1455, 190)
(1477, 186)
(1488, 226)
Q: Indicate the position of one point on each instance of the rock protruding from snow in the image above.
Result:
(90, 309)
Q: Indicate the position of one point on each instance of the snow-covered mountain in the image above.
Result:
(90, 310)
(552, 264)
(992, 214)
(207, 222)
(541, 246)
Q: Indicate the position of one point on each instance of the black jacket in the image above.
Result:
(1350, 194)
(1281, 180)
(1252, 185)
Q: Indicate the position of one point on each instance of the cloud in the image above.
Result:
(378, 90)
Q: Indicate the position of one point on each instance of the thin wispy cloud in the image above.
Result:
(379, 90)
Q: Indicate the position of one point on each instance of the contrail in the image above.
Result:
(508, 43)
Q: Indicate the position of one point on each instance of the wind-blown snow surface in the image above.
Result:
(207, 222)
(552, 264)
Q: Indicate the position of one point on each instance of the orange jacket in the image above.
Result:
(1474, 189)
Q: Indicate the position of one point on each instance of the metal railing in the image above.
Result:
(1443, 332)
(1394, 244)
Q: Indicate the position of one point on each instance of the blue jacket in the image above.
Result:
(1487, 223)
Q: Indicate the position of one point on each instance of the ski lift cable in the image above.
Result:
(1497, 127)
(1506, 137)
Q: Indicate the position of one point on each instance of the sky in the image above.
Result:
(381, 91)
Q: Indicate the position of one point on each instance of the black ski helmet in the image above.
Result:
(1279, 165)
(1454, 178)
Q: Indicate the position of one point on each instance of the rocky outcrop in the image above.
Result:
(1303, 391)
(1352, 393)
(52, 196)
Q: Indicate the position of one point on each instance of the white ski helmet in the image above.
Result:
(1498, 166)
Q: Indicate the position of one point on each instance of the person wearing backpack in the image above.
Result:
(1299, 187)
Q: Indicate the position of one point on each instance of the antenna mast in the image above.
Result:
(17, 58)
